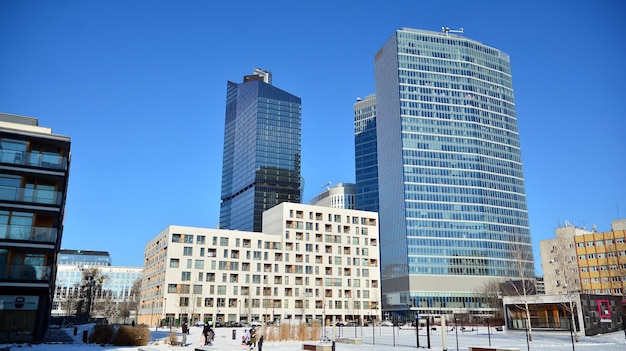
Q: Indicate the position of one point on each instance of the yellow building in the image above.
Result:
(589, 262)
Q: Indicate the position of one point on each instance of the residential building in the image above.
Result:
(342, 195)
(115, 290)
(365, 154)
(452, 202)
(34, 172)
(310, 262)
(261, 162)
(587, 261)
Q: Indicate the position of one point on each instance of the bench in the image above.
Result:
(317, 347)
(352, 341)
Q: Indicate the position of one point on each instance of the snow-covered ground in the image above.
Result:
(392, 339)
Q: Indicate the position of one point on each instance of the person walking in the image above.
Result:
(185, 332)
(205, 334)
(252, 339)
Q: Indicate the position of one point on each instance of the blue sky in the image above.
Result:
(140, 88)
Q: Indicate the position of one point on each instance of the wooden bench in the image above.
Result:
(317, 347)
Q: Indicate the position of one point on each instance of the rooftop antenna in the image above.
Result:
(448, 30)
(327, 185)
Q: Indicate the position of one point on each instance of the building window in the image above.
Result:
(188, 239)
(200, 239)
(176, 238)
(185, 276)
(187, 251)
(174, 262)
(199, 264)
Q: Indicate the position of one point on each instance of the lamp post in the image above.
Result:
(239, 306)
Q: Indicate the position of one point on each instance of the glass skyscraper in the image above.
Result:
(261, 162)
(452, 203)
(366, 160)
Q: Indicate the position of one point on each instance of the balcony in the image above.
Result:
(24, 272)
(26, 232)
(34, 159)
(37, 196)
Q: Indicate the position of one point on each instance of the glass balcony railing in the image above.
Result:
(24, 272)
(25, 232)
(36, 159)
(38, 196)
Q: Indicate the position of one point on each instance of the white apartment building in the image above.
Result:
(310, 262)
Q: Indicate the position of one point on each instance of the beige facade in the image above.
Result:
(590, 262)
(310, 262)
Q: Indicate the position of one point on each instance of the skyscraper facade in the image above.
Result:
(261, 161)
(366, 159)
(452, 202)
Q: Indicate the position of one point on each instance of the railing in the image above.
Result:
(26, 232)
(35, 159)
(39, 196)
(24, 272)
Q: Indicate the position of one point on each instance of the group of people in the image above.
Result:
(249, 338)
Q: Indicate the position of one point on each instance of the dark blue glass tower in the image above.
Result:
(261, 162)
(366, 158)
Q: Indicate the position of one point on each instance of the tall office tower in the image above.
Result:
(366, 160)
(34, 171)
(452, 202)
(261, 164)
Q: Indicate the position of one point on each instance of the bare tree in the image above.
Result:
(91, 286)
(491, 293)
(524, 287)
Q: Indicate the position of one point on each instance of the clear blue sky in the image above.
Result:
(140, 88)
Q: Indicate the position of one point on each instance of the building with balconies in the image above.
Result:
(308, 263)
(34, 171)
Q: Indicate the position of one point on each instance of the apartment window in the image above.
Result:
(189, 263)
(200, 239)
(174, 262)
(184, 302)
(199, 264)
(171, 288)
(197, 289)
(185, 276)
(187, 251)
(221, 289)
(223, 241)
(581, 244)
(590, 243)
(600, 242)
(201, 252)
(176, 238)
(188, 239)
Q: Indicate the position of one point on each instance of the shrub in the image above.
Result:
(131, 336)
(101, 334)
(171, 339)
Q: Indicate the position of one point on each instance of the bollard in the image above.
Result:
(85, 336)
(75, 331)
(234, 334)
(333, 345)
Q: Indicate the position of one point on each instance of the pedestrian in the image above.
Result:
(252, 339)
(185, 332)
(205, 334)
(245, 338)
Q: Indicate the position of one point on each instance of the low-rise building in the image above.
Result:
(310, 262)
(591, 262)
